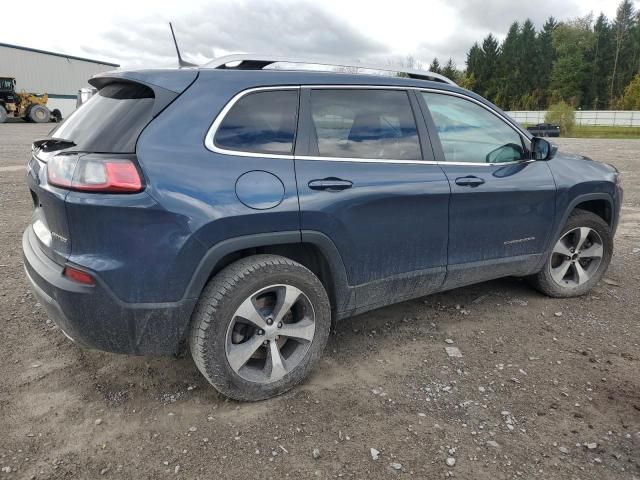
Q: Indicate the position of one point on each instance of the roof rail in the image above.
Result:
(258, 62)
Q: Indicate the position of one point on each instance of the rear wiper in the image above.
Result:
(52, 144)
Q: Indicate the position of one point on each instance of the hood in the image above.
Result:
(584, 163)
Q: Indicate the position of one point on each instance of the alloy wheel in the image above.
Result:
(270, 333)
(576, 257)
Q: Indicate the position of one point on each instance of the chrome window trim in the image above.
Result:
(210, 144)
(365, 160)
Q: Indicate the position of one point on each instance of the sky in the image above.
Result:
(135, 33)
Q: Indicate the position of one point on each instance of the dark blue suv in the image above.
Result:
(239, 208)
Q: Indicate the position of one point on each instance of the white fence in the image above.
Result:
(618, 118)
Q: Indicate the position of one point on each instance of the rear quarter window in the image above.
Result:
(111, 121)
(260, 122)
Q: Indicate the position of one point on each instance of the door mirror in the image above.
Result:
(542, 150)
(510, 152)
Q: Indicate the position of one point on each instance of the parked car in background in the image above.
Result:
(240, 211)
(544, 130)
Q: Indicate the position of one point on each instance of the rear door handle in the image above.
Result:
(469, 181)
(330, 184)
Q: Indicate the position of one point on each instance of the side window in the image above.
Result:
(374, 124)
(470, 133)
(260, 122)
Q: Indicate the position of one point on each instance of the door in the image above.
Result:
(363, 183)
(502, 203)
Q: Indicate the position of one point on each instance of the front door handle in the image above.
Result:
(469, 181)
(331, 184)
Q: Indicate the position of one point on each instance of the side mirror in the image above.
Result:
(510, 152)
(542, 150)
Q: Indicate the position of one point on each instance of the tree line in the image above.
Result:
(589, 64)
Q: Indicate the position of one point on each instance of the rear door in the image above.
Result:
(366, 179)
(502, 203)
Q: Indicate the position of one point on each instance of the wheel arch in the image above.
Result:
(593, 202)
(312, 249)
(599, 206)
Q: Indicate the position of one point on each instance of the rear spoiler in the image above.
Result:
(171, 79)
(166, 84)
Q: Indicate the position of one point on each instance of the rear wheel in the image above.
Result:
(260, 327)
(3, 114)
(39, 114)
(579, 257)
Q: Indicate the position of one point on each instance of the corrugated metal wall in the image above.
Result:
(60, 77)
(619, 118)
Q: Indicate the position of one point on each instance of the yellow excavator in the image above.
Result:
(28, 106)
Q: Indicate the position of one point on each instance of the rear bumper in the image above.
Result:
(94, 318)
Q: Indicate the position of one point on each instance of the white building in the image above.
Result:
(59, 75)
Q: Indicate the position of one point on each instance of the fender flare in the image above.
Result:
(344, 294)
(586, 197)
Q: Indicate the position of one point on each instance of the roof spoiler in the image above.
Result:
(166, 84)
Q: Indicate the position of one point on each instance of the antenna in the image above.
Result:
(181, 62)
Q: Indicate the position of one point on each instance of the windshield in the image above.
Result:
(111, 120)
(6, 84)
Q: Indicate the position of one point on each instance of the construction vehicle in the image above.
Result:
(28, 106)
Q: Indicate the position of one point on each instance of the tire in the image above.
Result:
(217, 330)
(3, 114)
(39, 114)
(581, 274)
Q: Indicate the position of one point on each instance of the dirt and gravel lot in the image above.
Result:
(544, 389)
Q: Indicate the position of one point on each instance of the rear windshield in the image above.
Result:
(111, 120)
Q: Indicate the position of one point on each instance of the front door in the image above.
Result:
(502, 203)
(363, 183)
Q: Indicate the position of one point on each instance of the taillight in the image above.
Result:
(94, 174)
(78, 276)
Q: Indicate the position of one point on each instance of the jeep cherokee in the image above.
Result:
(239, 208)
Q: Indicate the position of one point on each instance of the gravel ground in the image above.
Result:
(545, 388)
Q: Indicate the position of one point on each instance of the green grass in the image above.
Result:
(581, 131)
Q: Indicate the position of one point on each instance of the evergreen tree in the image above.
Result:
(623, 49)
(450, 70)
(546, 55)
(435, 66)
(475, 59)
(486, 76)
(601, 60)
(524, 90)
(571, 71)
(508, 71)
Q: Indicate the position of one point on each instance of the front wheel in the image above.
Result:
(3, 114)
(39, 114)
(260, 327)
(579, 257)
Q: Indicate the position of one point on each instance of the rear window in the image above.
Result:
(111, 121)
(260, 122)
